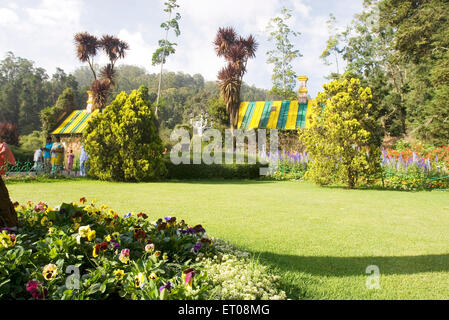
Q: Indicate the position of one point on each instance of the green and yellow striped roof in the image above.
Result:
(75, 123)
(282, 115)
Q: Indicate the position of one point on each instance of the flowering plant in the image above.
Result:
(84, 251)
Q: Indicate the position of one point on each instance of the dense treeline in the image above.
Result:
(400, 48)
(27, 90)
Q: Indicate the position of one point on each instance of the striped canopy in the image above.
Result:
(283, 115)
(75, 123)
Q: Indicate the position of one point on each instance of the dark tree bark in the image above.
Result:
(8, 216)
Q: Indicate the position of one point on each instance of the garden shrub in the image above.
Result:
(123, 143)
(341, 138)
(79, 251)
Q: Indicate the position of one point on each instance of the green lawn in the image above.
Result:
(320, 239)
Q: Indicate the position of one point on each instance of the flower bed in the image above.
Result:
(80, 251)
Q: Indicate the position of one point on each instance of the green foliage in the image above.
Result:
(21, 154)
(283, 78)
(217, 111)
(123, 143)
(25, 90)
(400, 50)
(340, 139)
(32, 141)
(51, 116)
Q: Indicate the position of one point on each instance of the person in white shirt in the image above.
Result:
(38, 161)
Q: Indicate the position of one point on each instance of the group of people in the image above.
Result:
(50, 158)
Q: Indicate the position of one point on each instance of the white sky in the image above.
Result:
(42, 31)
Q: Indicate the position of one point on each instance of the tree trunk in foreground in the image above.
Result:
(8, 216)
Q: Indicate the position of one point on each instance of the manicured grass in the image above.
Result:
(320, 239)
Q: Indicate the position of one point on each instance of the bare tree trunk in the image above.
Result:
(8, 216)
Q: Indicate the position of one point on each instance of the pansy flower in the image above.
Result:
(153, 276)
(142, 215)
(50, 272)
(124, 256)
(119, 274)
(84, 231)
(139, 234)
(139, 281)
(188, 275)
(197, 247)
(91, 235)
(149, 248)
(168, 286)
(99, 247)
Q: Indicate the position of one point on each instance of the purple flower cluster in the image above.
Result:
(399, 163)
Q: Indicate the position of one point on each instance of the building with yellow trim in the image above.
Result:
(282, 115)
(72, 127)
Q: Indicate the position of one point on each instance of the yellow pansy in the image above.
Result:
(84, 231)
(50, 272)
(119, 274)
(91, 235)
(153, 276)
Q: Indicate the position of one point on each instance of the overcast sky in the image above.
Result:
(42, 31)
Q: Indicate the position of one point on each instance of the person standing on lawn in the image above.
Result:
(83, 159)
(6, 157)
(38, 161)
(57, 156)
(8, 216)
(70, 158)
(47, 155)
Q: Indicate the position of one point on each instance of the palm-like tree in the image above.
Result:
(87, 47)
(236, 50)
(115, 49)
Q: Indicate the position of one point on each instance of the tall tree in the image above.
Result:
(421, 40)
(236, 50)
(166, 47)
(369, 54)
(333, 45)
(283, 77)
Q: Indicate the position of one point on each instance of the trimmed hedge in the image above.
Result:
(213, 171)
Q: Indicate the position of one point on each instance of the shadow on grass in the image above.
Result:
(11, 181)
(221, 181)
(299, 274)
(356, 266)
